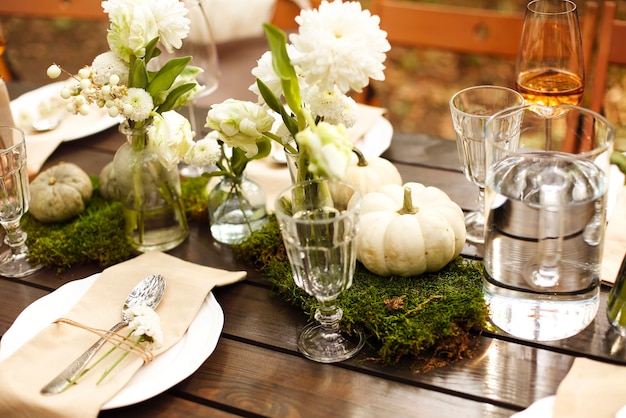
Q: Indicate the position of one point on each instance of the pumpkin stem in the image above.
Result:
(407, 204)
(362, 161)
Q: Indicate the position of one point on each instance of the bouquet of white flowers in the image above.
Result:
(303, 90)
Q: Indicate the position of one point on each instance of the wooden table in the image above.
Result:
(256, 369)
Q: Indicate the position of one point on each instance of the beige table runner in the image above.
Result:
(24, 373)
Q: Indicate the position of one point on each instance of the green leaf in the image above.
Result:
(138, 73)
(151, 49)
(165, 77)
(275, 104)
(265, 148)
(171, 100)
(277, 40)
(238, 161)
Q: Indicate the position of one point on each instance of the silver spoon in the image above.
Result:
(149, 292)
(48, 123)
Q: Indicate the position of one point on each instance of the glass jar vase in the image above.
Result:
(150, 194)
(236, 209)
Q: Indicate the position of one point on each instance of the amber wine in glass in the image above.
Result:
(550, 64)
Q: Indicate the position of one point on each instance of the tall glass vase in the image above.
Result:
(150, 195)
(236, 209)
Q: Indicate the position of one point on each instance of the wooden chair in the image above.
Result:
(462, 29)
(611, 50)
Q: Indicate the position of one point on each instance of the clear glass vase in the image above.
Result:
(150, 195)
(236, 209)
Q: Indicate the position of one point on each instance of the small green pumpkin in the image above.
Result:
(59, 193)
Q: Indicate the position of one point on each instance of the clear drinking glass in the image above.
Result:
(550, 65)
(470, 109)
(319, 238)
(546, 193)
(14, 197)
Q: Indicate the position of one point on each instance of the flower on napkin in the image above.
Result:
(339, 47)
(125, 82)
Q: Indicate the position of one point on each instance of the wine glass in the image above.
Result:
(550, 65)
(470, 109)
(319, 238)
(200, 45)
(14, 197)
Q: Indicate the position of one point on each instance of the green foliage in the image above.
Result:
(428, 317)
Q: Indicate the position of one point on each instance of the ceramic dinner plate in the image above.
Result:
(377, 139)
(166, 370)
(72, 127)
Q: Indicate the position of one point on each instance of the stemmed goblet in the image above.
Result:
(470, 109)
(14, 197)
(319, 237)
(550, 65)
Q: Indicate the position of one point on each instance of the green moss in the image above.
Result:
(428, 318)
(96, 235)
(195, 197)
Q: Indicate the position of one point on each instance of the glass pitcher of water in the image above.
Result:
(545, 210)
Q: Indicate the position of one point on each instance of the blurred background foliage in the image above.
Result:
(418, 85)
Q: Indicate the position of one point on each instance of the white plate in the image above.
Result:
(377, 139)
(25, 109)
(166, 370)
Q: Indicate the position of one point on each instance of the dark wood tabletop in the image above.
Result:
(256, 369)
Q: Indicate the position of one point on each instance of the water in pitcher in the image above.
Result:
(537, 211)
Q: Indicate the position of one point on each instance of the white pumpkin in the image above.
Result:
(368, 175)
(408, 230)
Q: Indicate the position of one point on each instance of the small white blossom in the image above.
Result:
(145, 323)
(107, 64)
(205, 152)
(137, 104)
(334, 106)
(240, 124)
(329, 149)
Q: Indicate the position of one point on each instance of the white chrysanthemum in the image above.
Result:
(170, 137)
(146, 323)
(137, 104)
(334, 107)
(205, 152)
(329, 149)
(107, 64)
(339, 43)
(172, 22)
(240, 124)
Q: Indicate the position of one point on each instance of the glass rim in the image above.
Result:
(486, 87)
(21, 141)
(571, 7)
(530, 106)
(343, 214)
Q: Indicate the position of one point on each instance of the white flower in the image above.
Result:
(339, 44)
(134, 23)
(145, 323)
(240, 124)
(334, 106)
(264, 71)
(329, 149)
(107, 64)
(170, 137)
(137, 104)
(205, 152)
